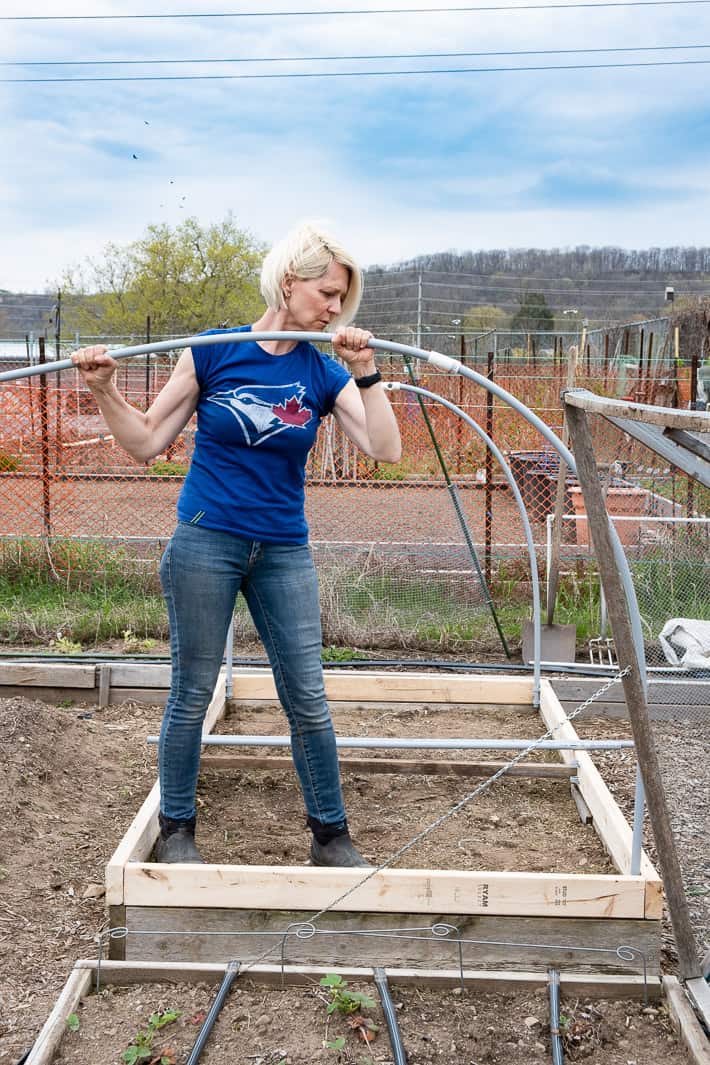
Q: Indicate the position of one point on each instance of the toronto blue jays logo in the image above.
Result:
(263, 410)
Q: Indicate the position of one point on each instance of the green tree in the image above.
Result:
(186, 278)
(533, 315)
(484, 316)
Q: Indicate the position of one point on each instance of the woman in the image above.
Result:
(241, 523)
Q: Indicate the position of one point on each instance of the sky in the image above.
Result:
(397, 165)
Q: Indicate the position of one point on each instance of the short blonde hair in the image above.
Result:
(307, 252)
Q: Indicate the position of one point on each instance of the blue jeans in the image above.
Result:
(202, 571)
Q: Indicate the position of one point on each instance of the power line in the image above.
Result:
(340, 58)
(366, 73)
(399, 279)
(352, 11)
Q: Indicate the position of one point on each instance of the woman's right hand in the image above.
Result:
(95, 365)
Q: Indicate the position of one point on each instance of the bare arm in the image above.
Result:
(143, 434)
(365, 414)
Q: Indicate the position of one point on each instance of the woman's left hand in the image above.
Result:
(351, 345)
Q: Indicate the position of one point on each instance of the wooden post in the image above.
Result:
(634, 691)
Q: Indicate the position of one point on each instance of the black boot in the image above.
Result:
(341, 851)
(332, 845)
(176, 842)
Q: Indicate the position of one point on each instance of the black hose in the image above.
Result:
(400, 1056)
(553, 984)
(229, 977)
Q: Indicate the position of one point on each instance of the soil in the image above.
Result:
(72, 778)
(290, 1027)
(517, 824)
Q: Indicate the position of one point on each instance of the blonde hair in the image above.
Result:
(307, 252)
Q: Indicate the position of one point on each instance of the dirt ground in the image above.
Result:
(292, 1027)
(71, 780)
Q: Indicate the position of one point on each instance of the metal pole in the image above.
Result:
(458, 508)
(229, 655)
(488, 494)
(393, 743)
(44, 445)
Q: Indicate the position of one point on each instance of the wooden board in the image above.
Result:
(532, 770)
(310, 888)
(666, 417)
(48, 674)
(609, 822)
(364, 686)
(44, 1048)
(217, 935)
(685, 1021)
(143, 831)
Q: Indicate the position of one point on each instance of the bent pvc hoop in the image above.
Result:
(434, 358)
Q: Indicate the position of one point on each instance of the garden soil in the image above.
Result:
(71, 780)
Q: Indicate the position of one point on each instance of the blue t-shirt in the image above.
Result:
(257, 419)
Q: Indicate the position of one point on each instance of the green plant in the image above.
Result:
(73, 1023)
(131, 642)
(343, 1000)
(335, 1044)
(65, 645)
(167, 468)
(339, 654)
(8, 463)
(141, 1046)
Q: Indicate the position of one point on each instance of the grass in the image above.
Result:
(80, 595)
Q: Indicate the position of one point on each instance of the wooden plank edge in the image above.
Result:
(48, 674)
(379, 687)
(534, 770)
(699, 991)
(307, 888)
(76, 987)
(140, 837)
(604, 808)
(665, 417)
(685, 1022)
(598, 986)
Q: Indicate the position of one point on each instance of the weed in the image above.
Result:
(339, 654)
(341, 999)
(165, 468)
(141, 1046)
(66, 646)
(8, 463)
(133, 643)
(73, 1023)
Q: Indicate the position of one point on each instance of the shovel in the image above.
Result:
(557, 642)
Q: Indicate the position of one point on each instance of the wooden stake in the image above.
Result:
(634, 691)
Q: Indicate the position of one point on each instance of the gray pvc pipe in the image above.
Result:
(434, 358)
(427, 744)
(401, 386)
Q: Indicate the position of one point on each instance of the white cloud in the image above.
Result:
(402, 165)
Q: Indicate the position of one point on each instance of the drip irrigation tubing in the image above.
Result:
(229, 977)
(400, 1056)
(553, 984)
(581, 668)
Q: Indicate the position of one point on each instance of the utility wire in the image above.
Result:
(339, 58)
(365, 73)
(353, 11)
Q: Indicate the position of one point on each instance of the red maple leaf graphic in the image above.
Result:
(293, 413)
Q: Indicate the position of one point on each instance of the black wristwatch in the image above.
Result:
(369, 381)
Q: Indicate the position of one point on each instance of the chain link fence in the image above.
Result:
(399, 567)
